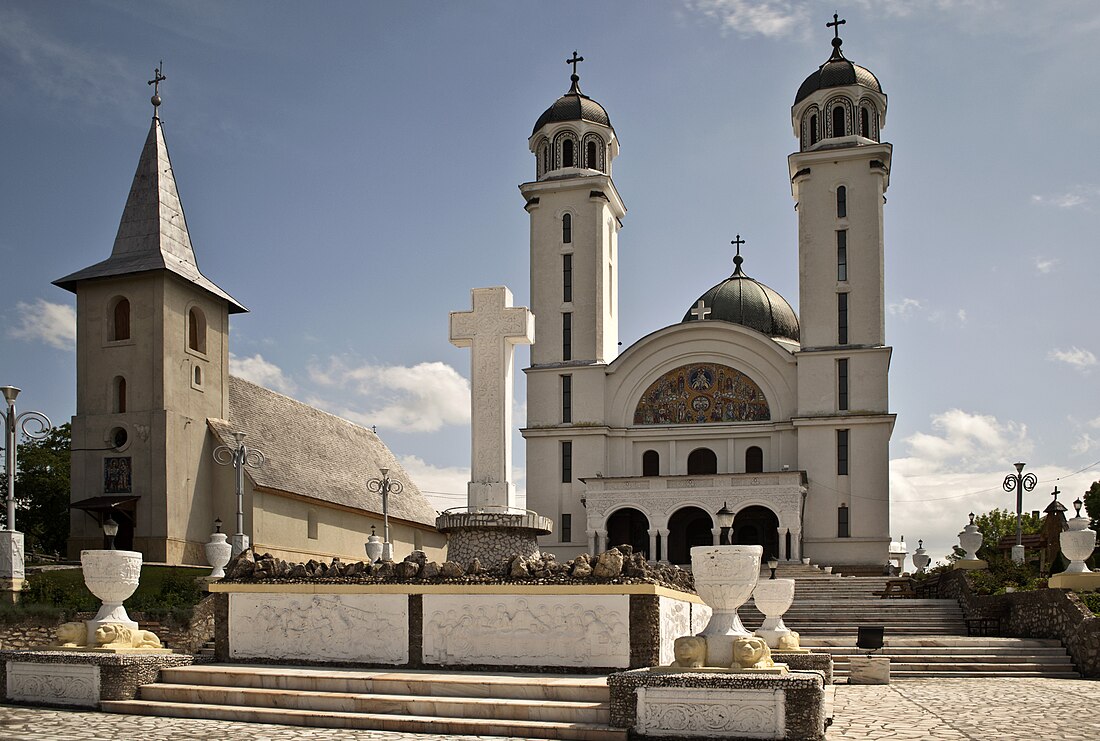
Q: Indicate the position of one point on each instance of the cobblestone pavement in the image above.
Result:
(921, 709)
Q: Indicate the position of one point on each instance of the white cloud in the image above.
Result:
(962, 441)
(905, 307)
(1084, 444)
(1045, 264)
(261, 372)
(1077, 196)
(420, 398)
(772, 18)
(961, 314)
(1095, 423)
(444, 487)
(1079, 358)
(53, 324)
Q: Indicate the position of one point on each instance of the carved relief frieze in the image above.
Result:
(675, 622)
(713, 712)
(55, 684)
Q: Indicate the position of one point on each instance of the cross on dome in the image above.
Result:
(737, 259)
(701, 310)
(574, 61)
(158, 78)
(837, 41)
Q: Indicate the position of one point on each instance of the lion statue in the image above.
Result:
(752, 652)
(788, 642)
(114, 635)
(72, 635)
(690, 652)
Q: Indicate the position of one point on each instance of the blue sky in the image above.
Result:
(349, 173)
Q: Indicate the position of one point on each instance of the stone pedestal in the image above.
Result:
(79, 678)
(869, 670)
(12, 576)
(970, 564)
(489, 536)
(239, 543)
(1088, 581)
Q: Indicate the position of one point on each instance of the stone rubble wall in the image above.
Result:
(1041, 613)
(22, 636)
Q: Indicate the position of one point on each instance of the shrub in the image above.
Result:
(24, 612)
(1091, 600)
(1003, 572)
(62, 588)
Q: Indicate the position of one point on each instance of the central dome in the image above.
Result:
(573, 106)
(838, 71)
(742, 300)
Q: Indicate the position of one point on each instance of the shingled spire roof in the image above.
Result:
(153, 232)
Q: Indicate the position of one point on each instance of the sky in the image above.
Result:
(349, 172)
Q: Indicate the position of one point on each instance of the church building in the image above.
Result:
(155, 403)
(742, 405)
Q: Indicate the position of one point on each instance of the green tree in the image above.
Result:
(1092, 504)
(996, 524)
(42, 491)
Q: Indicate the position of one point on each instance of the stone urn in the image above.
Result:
(1077, 543)
(724, 578)
(218, 552)
(374, 546)
(112, 576)
(970, 540)
(921, 559)
(773, 597)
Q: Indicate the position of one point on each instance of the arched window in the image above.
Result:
(121, 320)
(702, 461)
(196, 330)
(838, 120)
(198, 376)
(813, 129)
(865, 123)
(754, 460)
(841, 202)
(567, 153)
(567, 228)
(651, 463)
(120, 394)
(593, 161)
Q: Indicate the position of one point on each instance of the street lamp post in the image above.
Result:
(240, 457)
(724, 517)
(1019, 481)
(36, 426)
(385, 486)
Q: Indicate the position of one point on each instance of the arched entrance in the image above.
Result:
(631, 527)
(688, 527)
(758, 525)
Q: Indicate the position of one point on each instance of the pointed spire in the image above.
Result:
(152, 234)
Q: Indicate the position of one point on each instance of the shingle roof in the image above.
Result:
(152, 234)
(315, 454)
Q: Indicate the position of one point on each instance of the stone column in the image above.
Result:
(593, 542)
(796, 553)
(601, 540)
(653, 555)
(716, 535)
(491, 330)
(663, 532)
(783, 555)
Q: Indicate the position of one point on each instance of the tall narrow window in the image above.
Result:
(198, 376)
(567, 228)
(120, 394)
(567, 153)
(651, 463)
(843, 530)
(545, 158)
(754, 460)
(196, 330)
(813, 129)
(566, 461)
(842, 254)
(842, 452)
(838, 121)
(842, 384)
(567, 399)
(841, 202)
(567, 277)
(567, 336)
(865, 123)
(121, 320)
(566, 528)
(842, 318)
(593, 162)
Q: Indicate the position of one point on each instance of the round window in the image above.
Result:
(119, 438)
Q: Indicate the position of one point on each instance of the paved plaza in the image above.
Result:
(933, 709)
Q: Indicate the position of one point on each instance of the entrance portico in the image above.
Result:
(678, 511)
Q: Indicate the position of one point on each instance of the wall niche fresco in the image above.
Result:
(702, 393)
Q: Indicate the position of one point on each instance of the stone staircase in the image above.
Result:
(922, 637)
(441, 704)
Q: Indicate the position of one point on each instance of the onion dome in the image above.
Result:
(742, 300)
(837, 72)
(573, 106)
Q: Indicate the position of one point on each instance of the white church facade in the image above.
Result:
(782, 418)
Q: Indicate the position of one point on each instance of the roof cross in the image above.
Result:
(835, 25)
(701, 311)
(738, 242)
(158, 78)
(574, 61)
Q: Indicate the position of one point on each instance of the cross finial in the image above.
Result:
(158, 78)
(737, 259)
(574, 62)
(835, 25)
(1055, 493)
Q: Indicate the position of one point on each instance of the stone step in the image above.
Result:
(934, 641)
(971, 659)
(454, 707)
(437, 727)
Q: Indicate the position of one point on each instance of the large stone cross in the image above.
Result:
(492, 331)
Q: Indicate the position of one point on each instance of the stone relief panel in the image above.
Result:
(56, 684)
(701, 393)
(529, 630)
(690, 712)
(369, 628)
(675, 623)
(700, 616)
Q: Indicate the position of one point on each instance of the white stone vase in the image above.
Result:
(374, 547)
(724, 578)
(921, 560)
(1077, 544)
(773, 597)
(218, 553)
(112, 576)
(970, 540)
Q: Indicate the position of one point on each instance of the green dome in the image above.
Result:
(742, 300)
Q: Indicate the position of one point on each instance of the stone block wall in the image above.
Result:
(1042, 613)
(20, 636)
